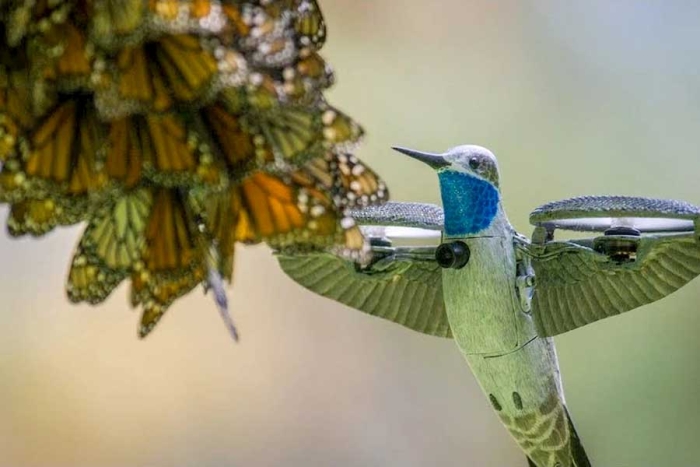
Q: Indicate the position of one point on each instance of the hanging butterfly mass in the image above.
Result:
(174, 129)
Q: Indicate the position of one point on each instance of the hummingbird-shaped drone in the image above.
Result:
(502, 296)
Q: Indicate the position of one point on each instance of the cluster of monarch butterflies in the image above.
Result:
(174, 129)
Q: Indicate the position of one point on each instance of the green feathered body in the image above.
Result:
(517, 370)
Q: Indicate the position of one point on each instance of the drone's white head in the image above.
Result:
(474, 160)
(469, 187)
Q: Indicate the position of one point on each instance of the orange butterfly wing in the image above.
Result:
(302, 211)
(156, 76)
(174, 258)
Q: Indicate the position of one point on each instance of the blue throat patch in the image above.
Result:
(470, 203)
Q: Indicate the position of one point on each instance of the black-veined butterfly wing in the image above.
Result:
(351, 183)
(149, 236)
(38, 216)
(157, 76)
(56, 164)
(111, 247)
(174, 259)
(302, 210)
(254, 131)
(309, 24)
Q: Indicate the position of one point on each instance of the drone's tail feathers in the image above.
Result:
(546, 434)
(576, 454)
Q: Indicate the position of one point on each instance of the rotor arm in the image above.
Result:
(645, 249)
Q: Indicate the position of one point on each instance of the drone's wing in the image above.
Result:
(401, 283)
(649, 249)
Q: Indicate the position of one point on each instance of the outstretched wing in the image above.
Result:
(649, 249)
(401, 283)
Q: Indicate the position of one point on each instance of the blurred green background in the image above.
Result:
(596, 98)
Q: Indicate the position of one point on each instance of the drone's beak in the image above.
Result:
(436, 161)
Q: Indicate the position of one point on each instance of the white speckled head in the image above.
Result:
(475, 160)
(471, 159)
(469, 190)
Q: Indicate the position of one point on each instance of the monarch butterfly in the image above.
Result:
(164, 149)
(252, 134)
(308, 76)
(58, 155)
(40, 215)
(156, 76)
(295, 211)
(175, 129)
(111, 245)
(310, 26)
(351, 183)
(160, 239)
(149, 236)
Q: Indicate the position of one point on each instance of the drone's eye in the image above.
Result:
(474, 163)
